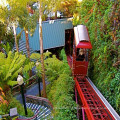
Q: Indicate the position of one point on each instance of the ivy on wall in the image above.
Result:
(102, 19)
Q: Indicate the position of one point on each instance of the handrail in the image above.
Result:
(37, 100)
(25, 81)
(16, 88)
(30, 118)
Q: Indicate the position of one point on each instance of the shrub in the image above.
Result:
(60, 91)
(13, 103)
(11, 66)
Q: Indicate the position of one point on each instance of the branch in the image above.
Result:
(116, 64)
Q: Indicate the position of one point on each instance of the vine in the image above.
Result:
(102, 19)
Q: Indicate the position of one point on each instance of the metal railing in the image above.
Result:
(39, 101)
(28, 83)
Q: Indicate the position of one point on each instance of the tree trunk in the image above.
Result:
(15, 36)
(0, 47)
(27, 43)
(41, 51)
(28, 48)
(55, 14)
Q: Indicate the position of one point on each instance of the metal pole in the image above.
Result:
(83, 113)
(23, 98)
(76, 102)
(39, 87)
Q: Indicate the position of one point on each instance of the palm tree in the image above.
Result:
(9, 16)
(43, 5)
(41, 49)
(28, 24)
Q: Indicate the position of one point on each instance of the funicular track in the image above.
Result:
(94, 104)
(87, 95)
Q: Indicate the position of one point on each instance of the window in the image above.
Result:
(82, 54)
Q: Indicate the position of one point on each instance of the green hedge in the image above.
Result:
(60, 90)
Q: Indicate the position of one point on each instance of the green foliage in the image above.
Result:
(60, 88)
(5, 35)
(28, 22)
(28, 65)
(61, 85)
(102, 20)
(13, 103)
(63, 55)
(6, 47)
(11, 66)
(35, 56)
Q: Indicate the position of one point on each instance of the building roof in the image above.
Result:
(53, 34)
(82, 39)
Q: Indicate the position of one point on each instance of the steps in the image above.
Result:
(41, 111)
(22, 47)
(41, 107)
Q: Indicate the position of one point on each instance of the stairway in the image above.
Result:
(22, 47)
(40, 106)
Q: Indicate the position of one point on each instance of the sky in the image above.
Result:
(3, 2)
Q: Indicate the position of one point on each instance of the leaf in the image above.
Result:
(12, 83)
(28, 67)
(15, 74)
(105, 49)
(35, 56)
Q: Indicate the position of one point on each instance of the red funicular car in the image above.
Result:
(81, 48)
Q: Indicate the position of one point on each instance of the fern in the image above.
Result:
(11, 66)
(28, 67)
(11, 83)
(35, 56)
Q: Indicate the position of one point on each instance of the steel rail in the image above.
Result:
(85, 105)
(108, 106)
(93, 105)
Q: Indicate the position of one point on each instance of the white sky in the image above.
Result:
(79, 0)
(3, 2)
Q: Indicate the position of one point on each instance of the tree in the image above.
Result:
(28, 23)
(44, 5)
(5, 36)
(41, 48)
(9, 16)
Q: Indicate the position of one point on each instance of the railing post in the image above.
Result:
(39, 87)
(83, 114)
(76, 102)
(23, 98)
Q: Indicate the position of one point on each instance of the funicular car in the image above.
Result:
(81, 50)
